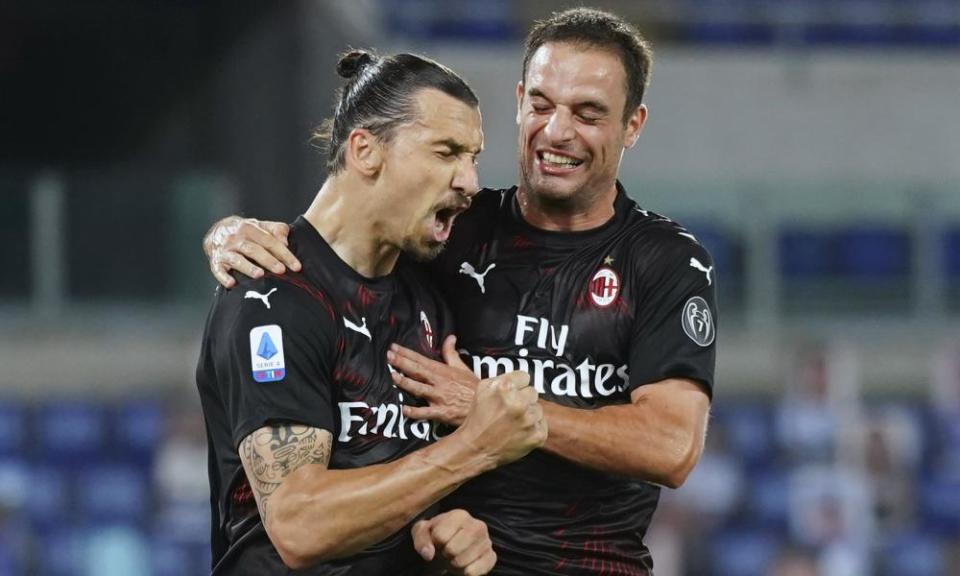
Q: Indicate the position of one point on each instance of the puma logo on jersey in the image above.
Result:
(696, 264)
(362, 328)
(261, 297)
(467, 268)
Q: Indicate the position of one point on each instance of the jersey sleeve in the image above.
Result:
(674, 331)
(275, 363)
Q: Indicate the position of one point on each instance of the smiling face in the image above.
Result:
(570, 110)
(431, 169)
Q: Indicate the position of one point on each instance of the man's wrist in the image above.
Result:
(458, 455)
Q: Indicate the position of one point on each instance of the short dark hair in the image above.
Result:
(596, 28)
(380, 96)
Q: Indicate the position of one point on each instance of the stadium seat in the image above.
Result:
(112, 493)
(116, 550)
(71, 432)
(746, 553)
(52, 502)
(750, 435)
(768, 500)
(873, 253)
(913, 554)
(14, 484)
(63, 550)
(940, 505)
(857, 252)
(951, 254)
(173, 557)
(13, 428)
(806, 254)
(139, 427)
(14, 540)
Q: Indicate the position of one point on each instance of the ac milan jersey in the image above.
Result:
(591, 316)
(310, 349)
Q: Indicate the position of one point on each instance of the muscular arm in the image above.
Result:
(659, 436)
(312, 514)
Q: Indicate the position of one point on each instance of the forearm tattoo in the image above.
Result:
(270, 454)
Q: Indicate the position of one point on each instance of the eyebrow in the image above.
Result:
(457, 147)
(596, 105)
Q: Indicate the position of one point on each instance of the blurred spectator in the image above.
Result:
(945, 399)
(831, 511)
(181, 465)
(891, 455)
(117, 551)
(181, 482)
(794, 561)
(806, 419)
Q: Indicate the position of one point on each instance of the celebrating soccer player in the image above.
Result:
(608, 307)
(314, 466)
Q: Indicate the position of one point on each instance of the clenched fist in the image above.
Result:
(506, 420)
(454, 543)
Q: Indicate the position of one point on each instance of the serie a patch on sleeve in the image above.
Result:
(266, 353)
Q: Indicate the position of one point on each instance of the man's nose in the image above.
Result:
(560, 127)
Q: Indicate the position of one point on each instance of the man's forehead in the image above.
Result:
(443, 118)
(576, 71)
(575, 57)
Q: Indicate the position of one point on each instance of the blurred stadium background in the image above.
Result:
(813, 145)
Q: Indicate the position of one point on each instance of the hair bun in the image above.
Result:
(353, 62)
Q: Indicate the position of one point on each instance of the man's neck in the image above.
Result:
(571, 216)
(344, 216)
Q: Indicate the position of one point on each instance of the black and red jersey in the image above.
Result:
(310, 348)
(592, 316)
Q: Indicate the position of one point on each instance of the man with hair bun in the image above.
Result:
(313, 465)
(610, 308)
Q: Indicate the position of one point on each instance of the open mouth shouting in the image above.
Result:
(558, 163)
(443, 220)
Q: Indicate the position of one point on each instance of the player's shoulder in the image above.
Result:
(494, 196)
(289, 299)
(479, 221)
(660, 238)
(487, 202)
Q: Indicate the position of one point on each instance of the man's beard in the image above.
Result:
(422, 252)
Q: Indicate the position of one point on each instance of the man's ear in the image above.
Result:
(364, 152)
(519, 100)
(634, 126)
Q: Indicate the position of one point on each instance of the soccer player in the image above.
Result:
(609, 307)
(313, 465)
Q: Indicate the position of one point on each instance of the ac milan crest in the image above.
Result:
(427, 329)
(604, 287)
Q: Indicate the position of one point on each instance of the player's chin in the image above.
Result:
(555, 189)
(423, 250)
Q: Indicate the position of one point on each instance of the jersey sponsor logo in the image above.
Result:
(549, 373)
(266, 353)
(604, 287)
(362, 328)
(385, 420)
(427, 329)
(265, 298)
(468, 269)
(698, 321)
(555, 377)
(694, 263)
